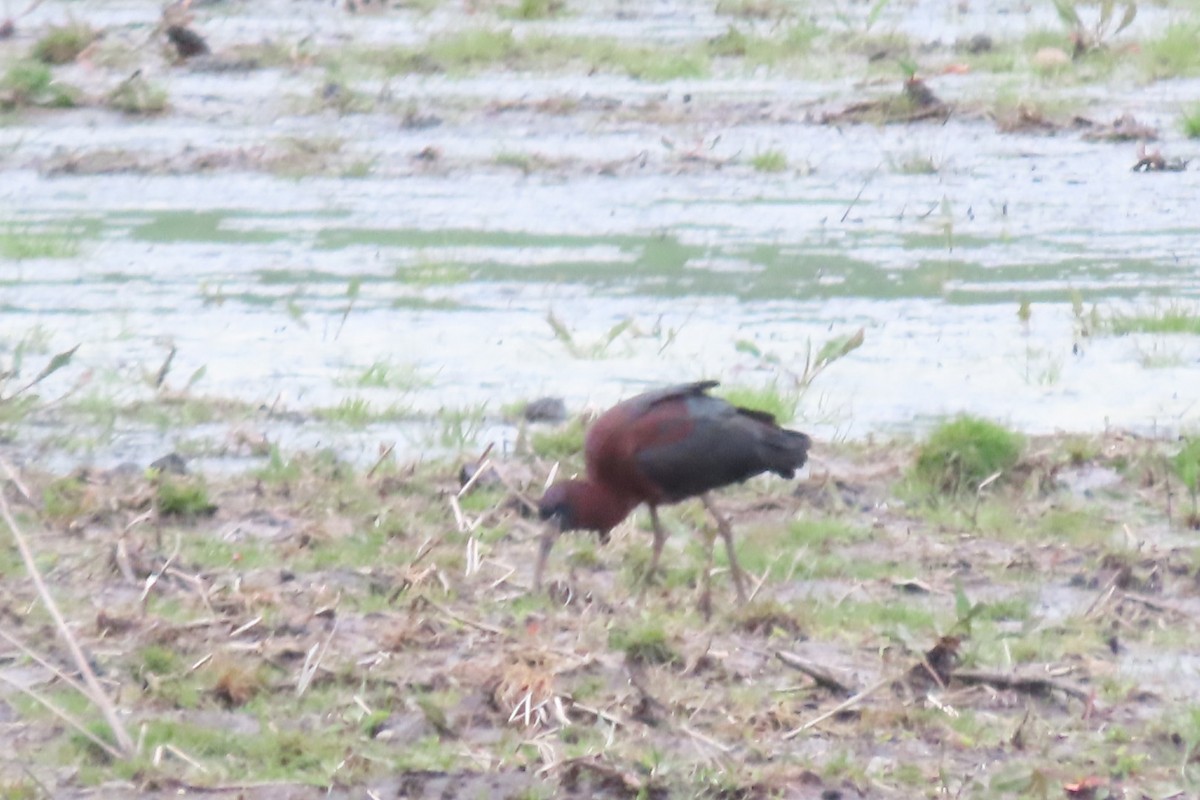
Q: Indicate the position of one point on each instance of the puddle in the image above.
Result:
(283, 289)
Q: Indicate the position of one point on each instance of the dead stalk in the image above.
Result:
(387, 451)
(95, 693)
(79, 727)
(312, 662)
(840, 707)
(58, 673)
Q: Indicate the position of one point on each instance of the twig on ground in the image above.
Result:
(708, 740)
(182, 756)
(157, 576)
(95, 691)
(1154, 604)
(197, 584)
(480, 626)
(67, 718)
(58, 673)
(480, 468)
(822, 676)
(843, 706)
(16, 480)
(598, 714)
(239, 630)
(1029, 684)
(758, 583)
(312, 661)
(387, 451)
(459, 519)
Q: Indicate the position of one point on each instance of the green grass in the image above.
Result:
(643, 641)
(64, 498)
(62, 44)
(962, 453)
(481, 49)
(306, 753)
(31, 83)
(358, 412)
(1190, 122)
(383, 374)
(1173, 317)
(459, 427)
(852, 617)
(137, 96)
(794, 43)
(1174, 54)
(775, 399)
(812, 548)
(769, 161)
(913, 164)
(1186, 465)
(559, 443)
(533, 9)
(184, 497)
(754, 9)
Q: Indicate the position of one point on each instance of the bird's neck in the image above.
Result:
(598, 508)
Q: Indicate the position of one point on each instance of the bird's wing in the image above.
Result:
(714, 444)
(656, 417)
(695, 389)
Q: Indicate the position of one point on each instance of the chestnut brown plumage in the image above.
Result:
(662, 447)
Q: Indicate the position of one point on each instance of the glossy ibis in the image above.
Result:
(662, 447)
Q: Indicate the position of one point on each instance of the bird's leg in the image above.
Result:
(735, 568)
(706, 576)
(660, 538)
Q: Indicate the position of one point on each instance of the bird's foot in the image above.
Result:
(644, 583)
(561, 592)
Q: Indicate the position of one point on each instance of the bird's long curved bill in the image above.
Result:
(550, 534)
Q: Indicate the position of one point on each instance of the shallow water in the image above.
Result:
(459, 262)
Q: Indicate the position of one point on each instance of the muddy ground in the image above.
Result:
(315, 630)
(239, 257)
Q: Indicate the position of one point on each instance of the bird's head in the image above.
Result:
(560, 504)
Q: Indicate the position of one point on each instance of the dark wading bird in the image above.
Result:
(662, 447)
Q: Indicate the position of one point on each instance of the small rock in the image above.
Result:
(170, 464)
(545, 409)
(979, 43)
(489, 478)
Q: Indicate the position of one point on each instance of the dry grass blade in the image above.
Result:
(312, 662)
(17, 482)
(384, 453)
(1029, 684)
(95, 693)
(480, 469)
(822, 676)
(58, 673)
(840, 707)
(79, 727)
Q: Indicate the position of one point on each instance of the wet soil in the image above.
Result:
(388, 622)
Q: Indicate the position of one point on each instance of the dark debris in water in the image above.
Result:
(546, 409)
(1155, 161)
(1124, 128)
(916, 102)
(187, 43)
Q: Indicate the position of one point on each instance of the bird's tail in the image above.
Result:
(789, 451)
